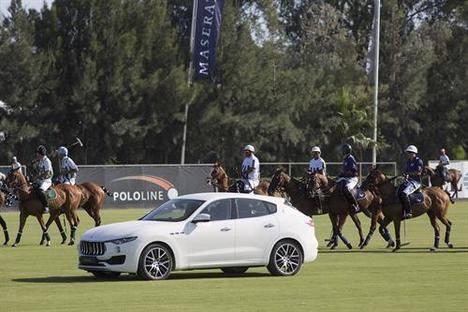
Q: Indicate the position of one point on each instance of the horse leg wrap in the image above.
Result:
(18, 237)
(64, 236)
(384, 233)
(436, 241)
(447, 237)
(368, 237)
(73, 231)
(7, 236)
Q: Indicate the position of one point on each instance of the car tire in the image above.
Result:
(104, 274)
(235, 270)
(156, 262)
(286, 258)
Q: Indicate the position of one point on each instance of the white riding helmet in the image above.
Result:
(249, 147)
(412, 149)
(62, 151)
(15, 165)
(316, 149)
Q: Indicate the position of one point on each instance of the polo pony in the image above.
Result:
(433, 201)
(62, 199)
(332, 203)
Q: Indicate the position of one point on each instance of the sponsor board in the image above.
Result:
(146, 186)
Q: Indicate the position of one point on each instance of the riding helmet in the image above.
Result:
(346, 149)
(41, 150)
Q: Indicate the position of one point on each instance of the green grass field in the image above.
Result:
(35, 278)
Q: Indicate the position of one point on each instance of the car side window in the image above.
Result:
(219, 210)
(249, 208)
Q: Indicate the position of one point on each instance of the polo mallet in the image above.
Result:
(406, 243)
(77, 142)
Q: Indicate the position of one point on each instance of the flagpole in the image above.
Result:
(189, 80)
(376, 77)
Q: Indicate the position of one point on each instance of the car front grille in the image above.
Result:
(92, 248)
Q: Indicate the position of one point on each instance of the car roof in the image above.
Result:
(223, 195)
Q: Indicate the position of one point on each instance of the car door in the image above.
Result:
(256, 228)
(212, 243)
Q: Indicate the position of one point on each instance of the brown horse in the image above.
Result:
(453, 177)
(92, 199)
(3, 197)
(67, 201)
(332, 203)
(435, 205)
(221, 182)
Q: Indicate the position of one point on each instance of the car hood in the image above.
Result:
(128, 229)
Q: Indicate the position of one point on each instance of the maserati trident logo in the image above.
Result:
(164, 189)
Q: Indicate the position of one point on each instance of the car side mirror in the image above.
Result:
(202, 217)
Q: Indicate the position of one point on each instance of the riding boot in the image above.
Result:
(43, 199)
(352, 201)
(407, 213)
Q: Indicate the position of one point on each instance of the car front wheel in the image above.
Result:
(234, 270)
(155, 263)
(286, 258)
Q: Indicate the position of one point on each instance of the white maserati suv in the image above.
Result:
(229, 231)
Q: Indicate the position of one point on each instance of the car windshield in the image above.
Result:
(174, 210)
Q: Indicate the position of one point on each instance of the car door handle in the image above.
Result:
(225, 229)
(269, 225)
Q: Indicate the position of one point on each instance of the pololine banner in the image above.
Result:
(207, 29)
(146, 186)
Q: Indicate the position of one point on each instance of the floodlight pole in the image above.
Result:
(189, 80)
(376, 77)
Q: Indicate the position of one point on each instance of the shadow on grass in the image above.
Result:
(403, 249)
(133, 278)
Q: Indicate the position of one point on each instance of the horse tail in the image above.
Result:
(108, 193)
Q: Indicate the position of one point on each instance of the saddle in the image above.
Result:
(416, 198)
(358, 193)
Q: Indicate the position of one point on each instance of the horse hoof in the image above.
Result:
(450, 245)
(63, 242)
(433, 249)
(330, 243)
(333, 247)
(390, 245)
(71, 243)
(14, 245)
(396, 249)
(362, 246)
(349, 246)
(48, 244)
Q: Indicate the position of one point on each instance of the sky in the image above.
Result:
(29, 4)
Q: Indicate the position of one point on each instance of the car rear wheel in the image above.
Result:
(156, 262)
(234, 270)
(104, 275)
(286, 258)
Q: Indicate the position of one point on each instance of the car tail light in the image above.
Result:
(310, 222)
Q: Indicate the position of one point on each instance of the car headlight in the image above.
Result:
(123, 240)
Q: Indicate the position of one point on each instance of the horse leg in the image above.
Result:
(333, 241)
(357, 222)
(397, 224)
(61, 229)
(385, 233)
(372, 228)
(434, 224)
(23, 218)
(341, 222)
(5, 231)
(45, 235)
(448, 228)
(71, 220)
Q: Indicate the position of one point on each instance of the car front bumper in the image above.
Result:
(116, 258)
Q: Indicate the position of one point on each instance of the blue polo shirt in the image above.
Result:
(415, 164)
(349, 164)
